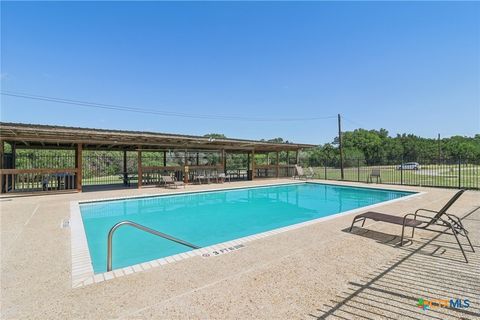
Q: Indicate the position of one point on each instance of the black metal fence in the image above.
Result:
(107, 167)
(110, 167)
(34, 159)
(446, 173)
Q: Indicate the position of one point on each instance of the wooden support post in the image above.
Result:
(165, 158)
(198, 158)
(253, 164)
(278, 168)
(185, 171)
(288, 164)
(224, 160)
(140, 169)
(249, 167)
(79, 166)
(2, 153)
(14, 155)
(124, 162)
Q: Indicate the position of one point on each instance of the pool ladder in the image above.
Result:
(143, 228)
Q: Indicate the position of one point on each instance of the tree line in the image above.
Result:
(378, 147)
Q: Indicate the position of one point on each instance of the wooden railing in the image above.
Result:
(30, 180)
(270, 170)
(151, 175)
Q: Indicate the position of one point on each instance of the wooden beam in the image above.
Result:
(39, 170)
(167, 168)
(78, 166)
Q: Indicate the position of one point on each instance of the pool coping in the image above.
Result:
(82, 267)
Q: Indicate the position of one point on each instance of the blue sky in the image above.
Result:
(407, 67)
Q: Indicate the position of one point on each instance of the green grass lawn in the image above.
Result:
(431, 175)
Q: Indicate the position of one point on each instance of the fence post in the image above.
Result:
(79, 166)
(358, 170)
(459, 174)
(401, 172)
(325, 167)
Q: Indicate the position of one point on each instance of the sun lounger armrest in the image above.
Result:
(415, 216)
(456, 221)
(453, 217)
(427, 210)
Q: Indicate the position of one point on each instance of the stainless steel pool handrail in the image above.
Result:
(143, 228)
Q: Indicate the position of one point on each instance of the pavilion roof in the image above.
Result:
(48, 136)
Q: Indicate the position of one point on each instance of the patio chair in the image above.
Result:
(440, 219)
(299, 173)
(201, 176)
(375, 174)
(310, 174)
(213, 175)
(222, 177)
(170, 181)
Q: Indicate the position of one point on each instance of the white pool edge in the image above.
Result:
(82, 267)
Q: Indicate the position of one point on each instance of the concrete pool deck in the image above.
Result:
(317, 271)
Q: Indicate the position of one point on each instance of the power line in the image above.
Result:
(356, 123)
(153, 111)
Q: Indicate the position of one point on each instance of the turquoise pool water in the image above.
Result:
(209, 218)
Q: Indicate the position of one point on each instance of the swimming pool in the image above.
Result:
(208, 218)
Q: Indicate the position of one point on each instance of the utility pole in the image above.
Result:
(340, 147)
(439, 148)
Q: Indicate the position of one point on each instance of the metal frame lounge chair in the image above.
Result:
(168, 181)
(440, 219)
(299, 173)
(310, 174)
